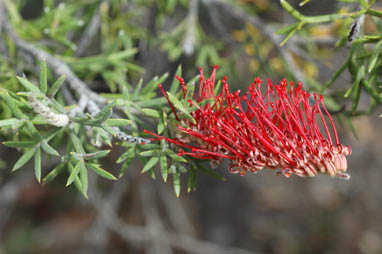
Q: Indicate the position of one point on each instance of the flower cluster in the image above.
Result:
(274, 129)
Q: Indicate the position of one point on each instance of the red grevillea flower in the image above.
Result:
(275, 129)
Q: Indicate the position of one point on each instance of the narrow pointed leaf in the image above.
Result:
(12, 105)
(151, 112)
(126, 155)
(77, 143)
(84, 178)
(74, 173)
(163, 167)
(376, 54)
(105, 110)
(19, 144)
(29, 86)
(137, 90)
(56, 86)
(125, 166)
(37, 164)
(364, 3)
(77, 181)
(23, 159)
(150, 164)
(52, 174)
(356, 97)
(180, 107)
(175, 83)
(9, 122)
(101, 171)
(43, 77)
(48, 149)
(287, 29)
(96, 155)
(160, 127)
(191, 181)
(175, 156)
(118, 122)
(176, 183)
(153, 84)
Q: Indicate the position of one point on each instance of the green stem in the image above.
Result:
(375, 13)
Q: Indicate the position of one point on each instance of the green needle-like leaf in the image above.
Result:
(287, 29)
(11, 104)
(118, 122)
(191, 180)
(150, 164)
(23, 159)
(9, 122)
(175, 83)
(105, 111)
(126, 155)
(178, 105)
(176, 183)
(37, 164)
(19, 144)
(74, 173)
(30, 86)
(43, 77)
(48, 149)
(137, 90)
(125, 166)
(364, 3)
(52, 174)
(163, 167)
(77, 181)
(77, 143)
(376, 53)
(101, 171)
(160, 127)
(84, 178)
(96, 155)
(151, 112)
(175, 156)
(56, 86)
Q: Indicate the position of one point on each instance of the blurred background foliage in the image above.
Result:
(111, 44)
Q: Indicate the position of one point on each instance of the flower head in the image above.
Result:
(274, 129)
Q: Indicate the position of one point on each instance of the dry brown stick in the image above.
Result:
(175, 211)
(153, 221)
(96, 238)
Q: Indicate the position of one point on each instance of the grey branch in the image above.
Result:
(90, 31)
(190, 40)
(176, 213)
(59, 67)
(141, 236)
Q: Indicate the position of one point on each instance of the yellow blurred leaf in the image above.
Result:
(249, 49)
(252, 30)
(254, 65)
(321, 31)
(311, 70)
(277, 64)
(239, 35)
